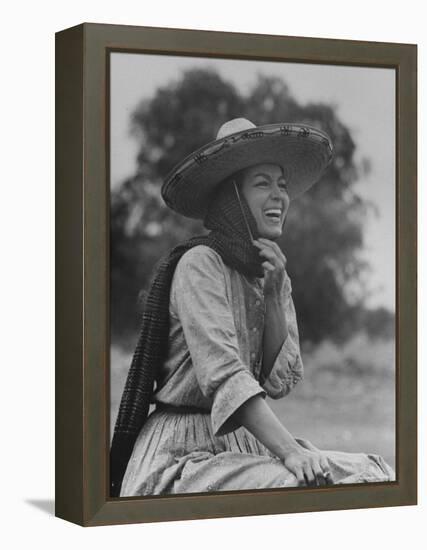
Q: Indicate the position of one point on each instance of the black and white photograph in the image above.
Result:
(252, 274)
(214, 227)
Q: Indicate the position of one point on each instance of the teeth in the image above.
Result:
(273, 211)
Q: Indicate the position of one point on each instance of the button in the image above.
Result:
(253, 355)
(258, 302)
(254, 329)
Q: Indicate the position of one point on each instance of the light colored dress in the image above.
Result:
(214, 364)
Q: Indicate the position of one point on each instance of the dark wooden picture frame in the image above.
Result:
(82, 267)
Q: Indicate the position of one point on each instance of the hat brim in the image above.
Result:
(303, 151)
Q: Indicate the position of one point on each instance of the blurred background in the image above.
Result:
(339, 238)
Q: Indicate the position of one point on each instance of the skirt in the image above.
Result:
(177, 452)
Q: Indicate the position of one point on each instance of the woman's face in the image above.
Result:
(265, 190)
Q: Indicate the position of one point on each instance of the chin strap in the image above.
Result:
(243, 212)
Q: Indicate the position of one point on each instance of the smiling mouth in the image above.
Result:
(273, 214)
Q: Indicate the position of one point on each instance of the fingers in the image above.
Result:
(315, 474)
(308, 474)
(299, 474)
(274, 247)
(329, 479)
(272, 254)
(265, 243)
(268, 266)
(310, 469)
(319, 474)
(324, 464)
(326, 471)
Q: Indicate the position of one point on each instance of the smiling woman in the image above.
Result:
(266, 191)
(219, 331)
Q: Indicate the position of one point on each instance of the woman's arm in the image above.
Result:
(275, 324)
(309, 467)
(288, 368)
(255, 415)
(275, 331)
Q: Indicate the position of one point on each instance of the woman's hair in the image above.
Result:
(237, 177)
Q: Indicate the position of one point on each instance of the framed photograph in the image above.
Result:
(236, 274)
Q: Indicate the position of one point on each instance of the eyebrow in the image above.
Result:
(282, 177)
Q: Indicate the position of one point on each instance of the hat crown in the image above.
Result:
(233, 126)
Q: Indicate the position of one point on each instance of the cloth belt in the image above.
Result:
(180, 409)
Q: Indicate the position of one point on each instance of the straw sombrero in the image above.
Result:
(304, 153)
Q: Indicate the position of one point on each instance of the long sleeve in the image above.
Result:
(204, 310)
(288, 369)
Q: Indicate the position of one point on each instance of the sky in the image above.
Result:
(364, 98)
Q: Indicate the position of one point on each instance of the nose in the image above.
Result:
(276, 192)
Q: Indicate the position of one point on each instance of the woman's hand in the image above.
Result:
(309, 467)
(274, 266)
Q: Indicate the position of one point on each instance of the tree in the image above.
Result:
(323, 232)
